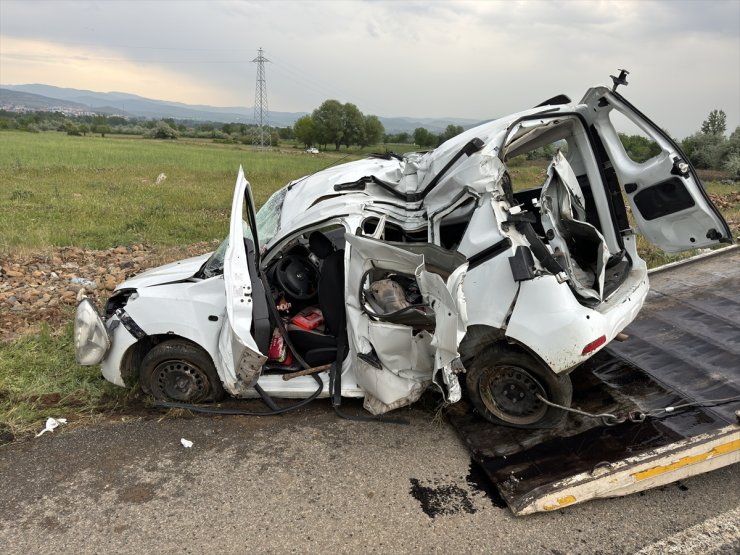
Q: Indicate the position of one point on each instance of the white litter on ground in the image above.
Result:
(51, 424)
(186, 443)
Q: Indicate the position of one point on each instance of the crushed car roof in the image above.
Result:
(405, 180)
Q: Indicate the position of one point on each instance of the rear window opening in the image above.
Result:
(529, 169)
(570, 222)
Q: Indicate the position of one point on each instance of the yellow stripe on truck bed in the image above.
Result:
(685, 461)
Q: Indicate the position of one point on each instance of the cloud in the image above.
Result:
(33, 61)
(467, 59)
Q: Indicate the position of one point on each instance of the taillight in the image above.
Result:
(594, 345)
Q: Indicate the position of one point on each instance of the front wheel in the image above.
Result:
(504, 384)
(176, 370)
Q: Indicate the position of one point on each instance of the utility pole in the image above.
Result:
(262, 137)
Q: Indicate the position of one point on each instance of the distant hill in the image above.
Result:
(10, 99)
(48, 97)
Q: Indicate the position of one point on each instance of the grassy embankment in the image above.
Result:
(90, 192)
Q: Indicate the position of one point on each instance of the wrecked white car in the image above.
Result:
(380, 277)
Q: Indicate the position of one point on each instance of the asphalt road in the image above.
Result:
(310, 482)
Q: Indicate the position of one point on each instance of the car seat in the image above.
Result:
(321, 347)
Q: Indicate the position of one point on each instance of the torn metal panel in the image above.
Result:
(563, 218)
(404, 359)
(450, 325)
(381, 383)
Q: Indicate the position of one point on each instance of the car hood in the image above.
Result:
(175, 271)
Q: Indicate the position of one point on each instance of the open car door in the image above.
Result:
(669, 203)
(402, 346)
(241, 360)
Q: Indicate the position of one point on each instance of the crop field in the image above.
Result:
(100, 194)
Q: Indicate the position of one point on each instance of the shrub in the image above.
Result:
(161, 130)
(732, 166)
(705, 151)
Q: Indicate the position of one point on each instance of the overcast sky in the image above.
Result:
(425, 59)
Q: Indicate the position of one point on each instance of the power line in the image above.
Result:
(263, 137)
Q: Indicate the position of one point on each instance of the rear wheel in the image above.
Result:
(179, 371)
(504, 384)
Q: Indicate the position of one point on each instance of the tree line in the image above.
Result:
(167, 128)
(338, 124)
(708, 148)
(428, 139)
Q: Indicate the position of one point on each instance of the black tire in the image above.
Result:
(503, 384)
(179, 371)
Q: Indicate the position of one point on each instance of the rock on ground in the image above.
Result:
(36, 287)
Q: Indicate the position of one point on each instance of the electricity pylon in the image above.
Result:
(262, 137)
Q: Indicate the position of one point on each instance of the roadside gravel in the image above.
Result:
(36, 287)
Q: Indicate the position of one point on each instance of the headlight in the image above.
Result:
(91, 338)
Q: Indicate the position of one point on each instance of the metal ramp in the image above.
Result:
(684, 347)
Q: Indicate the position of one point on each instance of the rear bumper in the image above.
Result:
(548, 320)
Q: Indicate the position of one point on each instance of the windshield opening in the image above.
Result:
(268, 225)
(268, 216)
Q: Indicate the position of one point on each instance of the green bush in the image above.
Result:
(639, 148)
(706, 151)
(732, 166)
(162, 130)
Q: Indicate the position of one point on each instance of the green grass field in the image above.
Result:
(93, 192)
(96, 193)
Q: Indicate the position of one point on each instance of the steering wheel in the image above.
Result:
(297, 276)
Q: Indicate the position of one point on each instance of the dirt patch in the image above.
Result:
(6, 434)
(137, 493)
(724, 202)
(43, 401)
(712, 175)
(729, 205)
(39, 286)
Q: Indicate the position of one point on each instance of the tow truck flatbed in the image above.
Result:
(684, 348)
